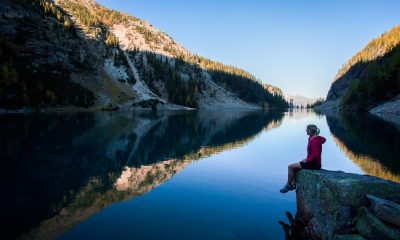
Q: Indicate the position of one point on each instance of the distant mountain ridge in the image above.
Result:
(109, 59)
(300, 100)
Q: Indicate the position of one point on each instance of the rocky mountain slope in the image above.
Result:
(369, 78)
(79, 53)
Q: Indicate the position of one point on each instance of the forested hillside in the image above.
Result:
(370, 77)
(79, 53)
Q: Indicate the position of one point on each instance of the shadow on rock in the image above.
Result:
(293, 229)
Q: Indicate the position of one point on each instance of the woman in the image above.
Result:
(313, 160)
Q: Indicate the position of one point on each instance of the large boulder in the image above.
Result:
(328, 201)
(371, 227)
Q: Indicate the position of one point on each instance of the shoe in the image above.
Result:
(287, 188)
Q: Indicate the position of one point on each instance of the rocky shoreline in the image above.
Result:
(339, 205)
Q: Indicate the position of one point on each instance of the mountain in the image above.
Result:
(370, 78)
(78, 53)
(301, 100)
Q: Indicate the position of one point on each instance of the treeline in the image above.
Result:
(180, 90)
(379, 83)
(242, 83)
(96, 22)
(316, 103)
(83, 14)
(374, 49)
(25, 84)
(183, 80)
(46, 8)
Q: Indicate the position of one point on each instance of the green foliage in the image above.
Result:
(183, 80)
(24, 84)
(380, 82)
(149, 36)
(50, 9)
(374, 49)
(180, 91)
(242, 83)
(111, 17)
(111, 40)
(316, 103)
(96, 21)
(83, 14)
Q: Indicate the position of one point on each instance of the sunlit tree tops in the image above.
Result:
(374, 49)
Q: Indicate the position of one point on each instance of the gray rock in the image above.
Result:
(385, 210)
(391, 107)
(371, 227)
(327, 201)
(349, 237)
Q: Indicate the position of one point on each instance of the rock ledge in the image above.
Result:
(334, 205)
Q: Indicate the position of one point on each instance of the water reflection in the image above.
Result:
(369, 142)
(59, 169)
(291, 229)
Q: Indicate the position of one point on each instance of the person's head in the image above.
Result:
(312, 130)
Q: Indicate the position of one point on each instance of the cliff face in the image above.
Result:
(79, 53)
(333, 204)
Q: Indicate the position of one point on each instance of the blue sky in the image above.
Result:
(296, 45)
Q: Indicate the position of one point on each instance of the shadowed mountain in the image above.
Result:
(371, 77)
(59, 169)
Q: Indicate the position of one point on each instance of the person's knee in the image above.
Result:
(294, 167)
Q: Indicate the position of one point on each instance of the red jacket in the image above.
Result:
(314, 150)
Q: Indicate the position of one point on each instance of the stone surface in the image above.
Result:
(371, 227)
(389, 107)
(328, 201)
(385, 210)
(349, 237)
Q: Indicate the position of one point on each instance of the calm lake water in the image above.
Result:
(171, 175)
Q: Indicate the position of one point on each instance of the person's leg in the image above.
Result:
(292, 169)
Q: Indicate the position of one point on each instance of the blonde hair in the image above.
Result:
(314, 129)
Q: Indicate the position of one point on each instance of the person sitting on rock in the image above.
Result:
(313, 160)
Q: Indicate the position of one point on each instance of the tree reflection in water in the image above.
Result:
(371, 143)
(59, 169)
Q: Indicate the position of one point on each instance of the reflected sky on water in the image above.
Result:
(171, 175)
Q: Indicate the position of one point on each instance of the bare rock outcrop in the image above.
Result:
(334, 205)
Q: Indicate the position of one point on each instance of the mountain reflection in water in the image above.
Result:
(59, 169)
(62, 172)
(371, 143)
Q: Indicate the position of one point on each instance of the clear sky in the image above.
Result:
(296, 45)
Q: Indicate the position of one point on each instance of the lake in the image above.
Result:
(171, 175)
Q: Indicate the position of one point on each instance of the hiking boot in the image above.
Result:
(287, 188)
